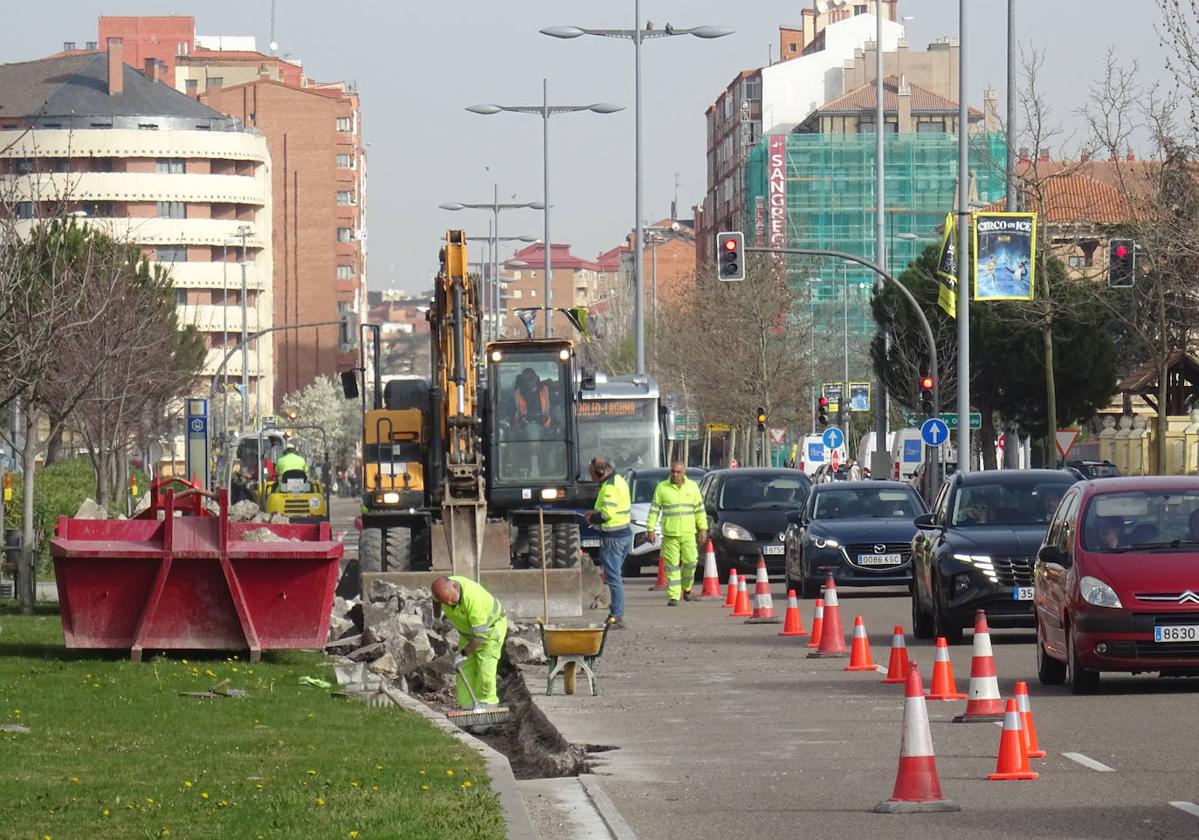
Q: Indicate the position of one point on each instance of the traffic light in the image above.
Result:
(926, 394)
(822, 411)
(761, 419)
(1121, 263)
(730, 256)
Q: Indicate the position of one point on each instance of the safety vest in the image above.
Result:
(291, 461)
(680, 507)
(615, 505)
(522, 405)
(476, 612)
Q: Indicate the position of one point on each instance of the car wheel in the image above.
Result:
(941, 627)
(922, 622)
(1082, 680)
(1049, 670)
(808, 588)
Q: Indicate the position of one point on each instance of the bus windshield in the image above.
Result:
(530, 394)
(625, 431)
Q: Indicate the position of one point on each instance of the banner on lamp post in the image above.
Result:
(1005, 246)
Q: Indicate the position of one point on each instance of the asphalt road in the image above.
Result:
(724, 729)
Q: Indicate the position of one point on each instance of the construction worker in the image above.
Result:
(481, 625)
(684, 526)
(291, 461)
(612, 516)
(531, 400)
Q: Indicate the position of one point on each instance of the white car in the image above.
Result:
(641, 488)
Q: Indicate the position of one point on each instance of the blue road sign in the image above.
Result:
(816, 452)
(833, 437)
(934, 432)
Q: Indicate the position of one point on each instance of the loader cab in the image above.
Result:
(531, 430)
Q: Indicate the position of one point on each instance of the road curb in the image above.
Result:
(606, 809)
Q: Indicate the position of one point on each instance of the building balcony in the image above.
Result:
(214, 275)
(219, 319)
(133, 187)
(155, 231)
(233, 368)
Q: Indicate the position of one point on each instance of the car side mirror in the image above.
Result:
(1051, 554)
(925, 520)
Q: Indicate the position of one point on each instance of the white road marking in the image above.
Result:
(1088, 762)
(1189, 807)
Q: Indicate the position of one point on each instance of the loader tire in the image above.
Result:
(370, 550)
(536, 546)
(399, 549)
(567, 545)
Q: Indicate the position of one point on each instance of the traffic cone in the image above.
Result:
(897, 666)
(731, 601)
(943, 685)
(661, 584)
(792, 621)
(742, 609)
(711, 578)
(763, 602)
(859, 657)
(1013, 761)
(1027, 726)
(817, 624)
(984, 704)
(917, 786)
(832, 637)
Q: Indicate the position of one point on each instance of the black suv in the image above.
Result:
(975, 550)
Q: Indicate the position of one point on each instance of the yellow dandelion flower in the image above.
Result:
(422, 772)
(187, 783)
(184, 661)
(104, 813)
(235, 670)
(311, 772)
(223, 803)
(95, 685)
(378, 766)
(424, 787)
(375, 788)
(467, 784)
(354, 784)
(165, 832)
(353, 835)
(75, 779)
(149, 801)
(320, 802)
(210, 672)
(449, 772)
(204, 795)
(258, 786)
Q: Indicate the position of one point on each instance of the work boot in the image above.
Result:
(615, 622)
(686, 596)
(672, 603)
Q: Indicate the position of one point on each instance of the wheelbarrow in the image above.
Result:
(569, 649)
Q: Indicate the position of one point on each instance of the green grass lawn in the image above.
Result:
(117, 752)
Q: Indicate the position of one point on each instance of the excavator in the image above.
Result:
(487, 450)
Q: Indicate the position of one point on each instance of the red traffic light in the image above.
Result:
(823, 402)
(1121, 251)
(730, 244)
(926, 383)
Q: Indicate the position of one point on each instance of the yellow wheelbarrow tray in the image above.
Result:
(568, 649)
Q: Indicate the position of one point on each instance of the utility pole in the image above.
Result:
(243, 231)
(964, 261)
(881, 458)
(1011, 431)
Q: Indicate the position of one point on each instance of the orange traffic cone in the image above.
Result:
(817, 624)
(859, 657)
(711, 578)
(742, 609)
(763, 602)
(792, 621)
(731, 601)
(943, 685)
(917, 786)
(1013, 761)
(897, 666)
(661, 584)
(984, 704)
(832, 637)
(1027, 726)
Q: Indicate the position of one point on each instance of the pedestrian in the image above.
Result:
(855, 471)
(479, 619)
(680, 507)
(612, 514)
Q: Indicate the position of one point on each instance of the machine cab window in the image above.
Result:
(532, 417)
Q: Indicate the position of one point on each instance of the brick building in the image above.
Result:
(576, 282)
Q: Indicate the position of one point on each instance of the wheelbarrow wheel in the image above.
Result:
(569, 672)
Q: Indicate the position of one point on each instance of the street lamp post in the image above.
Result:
(545, 111)
(244, 231)
(964, 290)
(637, 34)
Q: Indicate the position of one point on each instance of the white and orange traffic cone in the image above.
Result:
(742, 609)
(1013, 761)
(984, 705)
(897, 665)
(763, 602)
(832, 637)
(943, 686)
(917, 786)
(711, 576)
(792, 620)
(817, 624)
(1026, 722)
(660, 586)
(731, 601)
(859, 655)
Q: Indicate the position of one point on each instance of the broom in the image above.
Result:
(479, 715)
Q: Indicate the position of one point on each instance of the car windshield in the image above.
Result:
(1025, 502)
(1146, 520)
(865, 503)
(642, 488)
(1101, 470)
(763, 492)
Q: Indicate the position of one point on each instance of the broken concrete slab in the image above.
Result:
(90, 510)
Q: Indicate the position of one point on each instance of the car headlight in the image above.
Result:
(825, 542)
(982, 562)
(735, 532)
(1094, 591)
(549, 494)
(391, 498)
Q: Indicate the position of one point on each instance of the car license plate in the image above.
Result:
(1022, 593)
(1176, 633)
(772, 549)
(591, 543)
(879, 559)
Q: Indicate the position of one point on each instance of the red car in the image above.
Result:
(1116, 581)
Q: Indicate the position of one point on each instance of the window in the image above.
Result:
(532, 293)
(25, 210)
(103, 164)
(345, 161)
(345, 234)
(170, 253)
(61, 165)
(172, 210)
(22, 166)
(181, 297)
(98, 209)
(345, 197)
(753, 88)
(516, 294)
(345, 272)
(343, 124)
(516, 275)
(866, 126)
(930, 126)
(170, 166)
(792, 47)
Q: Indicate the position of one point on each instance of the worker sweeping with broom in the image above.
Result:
(479, 619)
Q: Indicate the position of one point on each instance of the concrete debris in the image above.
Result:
(522, 651)
(338, 627)
(143, 504)
(368, 653)
(384, 666)
(595, 591)
(90, 510)
(263, 535)
(244, 511)
(418, 650)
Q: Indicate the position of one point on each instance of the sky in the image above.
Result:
(419, 64)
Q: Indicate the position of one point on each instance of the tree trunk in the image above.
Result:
(1050, 399)
(986, 432)
(1163, 419)
(54, 445)
(27, 566)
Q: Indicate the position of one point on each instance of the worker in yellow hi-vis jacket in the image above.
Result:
(679, 506)
(479, 619)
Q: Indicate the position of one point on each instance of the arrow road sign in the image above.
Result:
(934, 432)
(833, 437)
